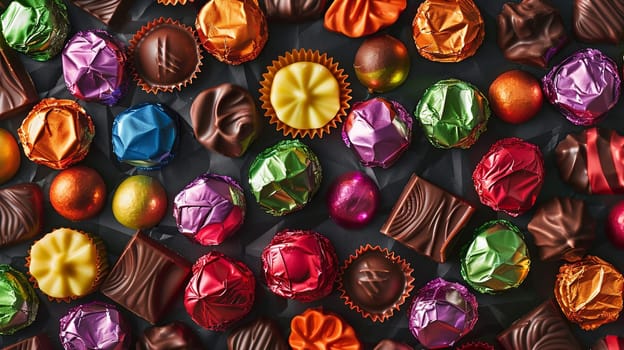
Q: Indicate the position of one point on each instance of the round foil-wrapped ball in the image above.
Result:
(139, 202)
(9, 156)
(442, 312)
(209, 209)
(352, 199)
(78, 193)
(378, 131)
(381, 63)
(615, 225)
(95, 325)
(300, 265)
(515, 96)
(19, 303)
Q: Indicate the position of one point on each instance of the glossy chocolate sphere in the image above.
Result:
(515, 96)
(381, 63)
(78, 193)
(139, 202)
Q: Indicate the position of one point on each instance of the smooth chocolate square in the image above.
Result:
(17, 91)
(146, 278)
(38, 342)
(107, 11)
(426, 218)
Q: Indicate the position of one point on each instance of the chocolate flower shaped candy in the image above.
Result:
(315, 329)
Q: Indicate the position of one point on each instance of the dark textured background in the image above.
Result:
(450, 169)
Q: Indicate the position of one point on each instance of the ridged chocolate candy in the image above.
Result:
(261, 334)
(21, 213)
(599, 21)
(294, 10)
(172, 336)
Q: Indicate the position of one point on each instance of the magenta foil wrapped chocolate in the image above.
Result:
(584, 86)
(442, 312)
(209, 209)
(94, 67)
(378, 131)
(95, 325)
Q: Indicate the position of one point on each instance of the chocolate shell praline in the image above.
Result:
(172, 336)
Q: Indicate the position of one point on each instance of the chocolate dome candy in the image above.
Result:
(372, 15)
(261, 334)
(175, 335)
(316, 329)
(584, 86)
(19, 303)
(510, 176)
(225, 119)
(530, 32)
(95, 325)
(598, 21)
(294, 10)
(453, 113)
(21, 213)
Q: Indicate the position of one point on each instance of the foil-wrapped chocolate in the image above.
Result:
(95, 325)
(599, 21)
(19, 303)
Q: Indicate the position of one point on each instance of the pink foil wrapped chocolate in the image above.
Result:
(94, 325)
(209, 209)
(378, 131)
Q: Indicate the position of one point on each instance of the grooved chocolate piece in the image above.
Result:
(261, 334)
(21, 213)
(562, 229)
(388, 344)
(173, 336)
(146, 278)
(530, 32)
(294, 10)
(544, 328)
(17, 92)
(107, 11)
(599, 21)
(426, 218)
(38, 342)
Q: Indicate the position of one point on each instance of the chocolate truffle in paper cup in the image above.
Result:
(209, 209)
(352, 199)
(584, 86)
(283, 178)
(497, 259)
(442, 312)
(453, 114)
(95, 325)
(37, 28)
(378, 131)
(19, 303)
(589, 292)
(94, 67)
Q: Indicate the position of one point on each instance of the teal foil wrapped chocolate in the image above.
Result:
(284, 177)
(453, 114)
(18, 301)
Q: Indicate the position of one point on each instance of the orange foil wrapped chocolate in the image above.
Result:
(448, 30)
(56, 133)
(589, 292)
(233, 31)
(357, 18)
(317, 330)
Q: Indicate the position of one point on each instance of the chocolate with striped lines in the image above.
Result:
(108, 12)
(599, 21)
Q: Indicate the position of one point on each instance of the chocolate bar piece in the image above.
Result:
(21, 213)
(258, 335)
(38, 342)
(17, 91)
(107, 11)
(426, 218)
(599, 21)
(146, 278)
(175, 335)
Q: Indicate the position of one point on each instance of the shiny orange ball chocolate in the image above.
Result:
(78, 193)
(9, 156)
(381, 63)
(357, 18)
(515, 96)
(139, 202)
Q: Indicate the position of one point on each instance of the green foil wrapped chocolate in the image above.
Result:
(284, 177)
(18, 301)
(453, 114)
(497, 259)
(37, 28)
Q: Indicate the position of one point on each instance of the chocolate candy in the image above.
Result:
(426, 218)
(37, 28)
(442, 312)
(300, 265)
(453, 113)
(21, 213)
(56, 133)
(378, 131)
(94, 67)
(381, 63)
(108, 12)
(96, 325)
(209, 209)
(220, 292)
(145, 135)
(542, 328)
(375, 282)
(294, 10)
(448, 31)
(146, 278)
(315, 329)
(510, 176)
(584, 86)
(175, 335)
(225, 119)
(10, 158)
(615, 225)
(562, 229)
(78, 193)
(352, 199)
(598, 21)
(139, 202)
(283, 178)
(589, 163)
(589, 292)
(530, 32)
(388, 344)
(476, 346)
(515, 96)
(17, 91)
(497, 259)
(261, 334)
(38, 342)
(19, 303)
(610, 342)
(373, 15)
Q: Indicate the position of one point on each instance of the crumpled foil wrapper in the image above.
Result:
(95, 325)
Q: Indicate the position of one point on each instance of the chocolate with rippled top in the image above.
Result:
(388, 344)
(172, 336)
(542, 329)
(261, 334)
(38, 342)
(530, 32)
(426, 218)
(599, 21)
(294, 10)
(225, 119)
(21, 213)
(17, 91)
(109, 12)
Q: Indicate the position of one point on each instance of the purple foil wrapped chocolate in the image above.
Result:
(209, 209)
(378, 131)
(94, 67)
(441, 313)
(95, 325)
(584, 86)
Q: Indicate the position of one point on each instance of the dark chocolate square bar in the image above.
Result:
(107, 11)
(38, 342)
(426, 218)
(17, 91)
(146, 278)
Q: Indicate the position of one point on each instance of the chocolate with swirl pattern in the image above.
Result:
(21, 213)
(17, 91)
(172, 336)
(599, 21)
(426, 218)
(38, 342)
(109, 12)
(294, 10)
(146, 278)
(261, 334)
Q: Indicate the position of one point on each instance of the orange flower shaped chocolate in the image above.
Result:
(316, 330)
(357, 18)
